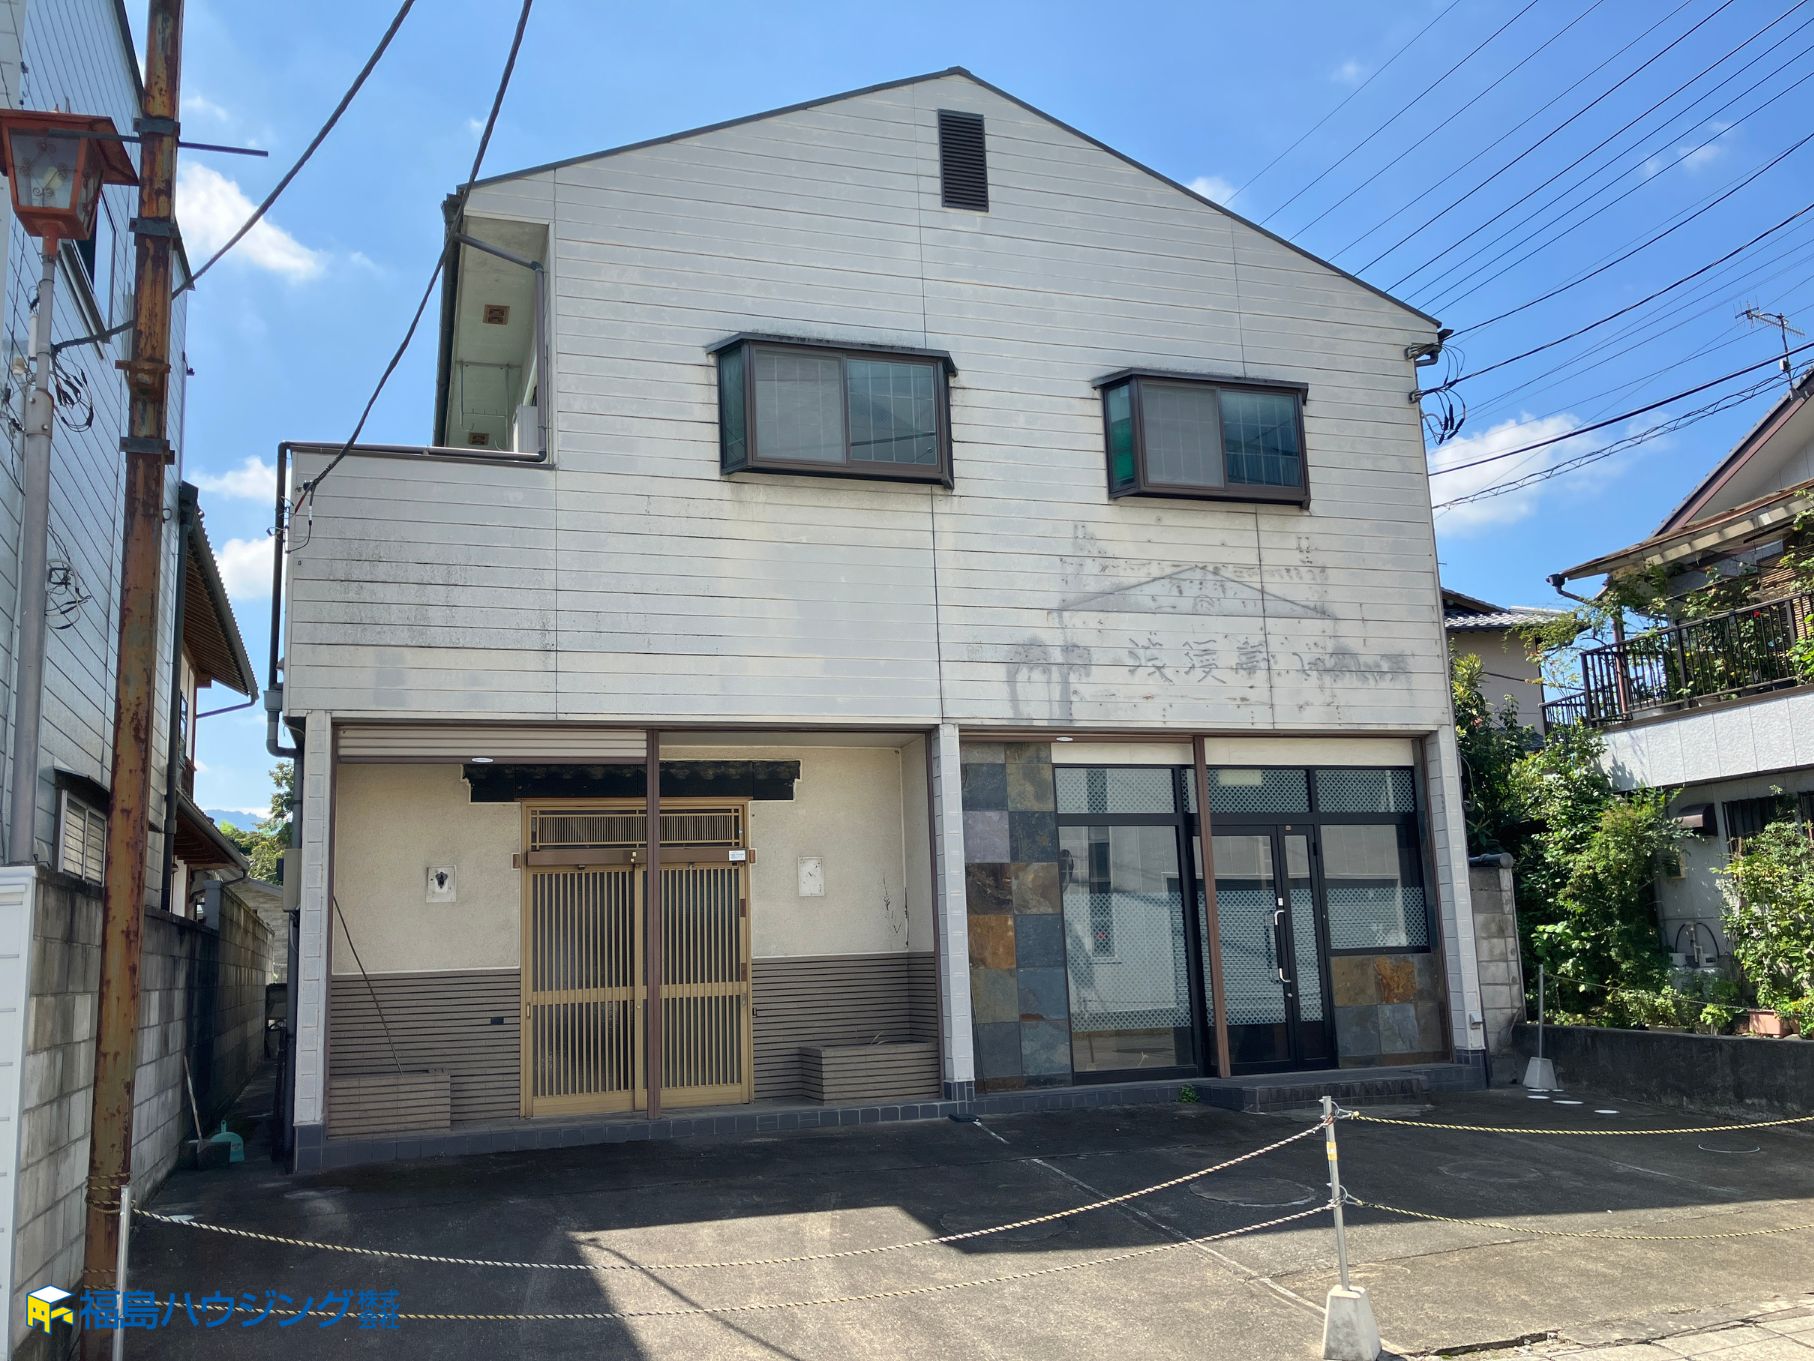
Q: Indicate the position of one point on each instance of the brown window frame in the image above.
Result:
(1143, 484)
(938, 473)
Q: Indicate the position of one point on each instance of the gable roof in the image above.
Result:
(1755, 440)
(961, 72)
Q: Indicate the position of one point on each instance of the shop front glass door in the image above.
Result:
(1272, 974)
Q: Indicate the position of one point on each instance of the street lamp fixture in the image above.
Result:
(55, 164)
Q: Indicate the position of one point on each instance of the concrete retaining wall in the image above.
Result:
(1706, 1072)
(201, 994)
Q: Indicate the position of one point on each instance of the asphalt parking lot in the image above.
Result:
(1434, 1284)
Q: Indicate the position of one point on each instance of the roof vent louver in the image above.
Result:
(963, 164)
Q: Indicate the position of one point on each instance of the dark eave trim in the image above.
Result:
(1219, 379)
(450, 269)
(201, 552)
(842, 346)
(993, 89)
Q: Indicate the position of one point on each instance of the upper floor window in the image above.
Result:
(785, 406)
(1173, 435)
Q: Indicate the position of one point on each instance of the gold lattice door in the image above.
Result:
(584, 984)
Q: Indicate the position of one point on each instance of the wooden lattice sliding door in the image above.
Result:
(584, 987)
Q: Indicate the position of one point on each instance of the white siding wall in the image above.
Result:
(1725, 742)
(633, 582)
(77, 58)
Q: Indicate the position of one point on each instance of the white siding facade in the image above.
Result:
(631, 582)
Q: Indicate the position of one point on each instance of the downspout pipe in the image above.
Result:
(176, 747)
(274, 686)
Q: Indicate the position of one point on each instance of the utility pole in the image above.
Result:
(147, 453)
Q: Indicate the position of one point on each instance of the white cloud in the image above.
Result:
(1350, 72)
(198, 106)
(245, 567)
(212, 207)
(475, 126)
(1510, 507)
(1213, 187)
(252, 480)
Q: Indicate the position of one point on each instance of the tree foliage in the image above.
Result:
(263, 845)
(1585, 855)
(1586, 900)
(1769, 916)
(1491, 742)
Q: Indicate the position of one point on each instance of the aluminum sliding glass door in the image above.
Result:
(1273, 983)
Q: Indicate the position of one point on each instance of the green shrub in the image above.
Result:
(1769, 916)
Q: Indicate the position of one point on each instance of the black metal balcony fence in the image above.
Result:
(1723, 656)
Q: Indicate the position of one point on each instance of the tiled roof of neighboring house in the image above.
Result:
(1467, 614)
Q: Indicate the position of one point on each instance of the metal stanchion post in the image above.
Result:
(1349, 1330)
(1540, 1073)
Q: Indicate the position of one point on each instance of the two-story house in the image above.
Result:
(1509, 669)
(1018, 572)
(1717, 704)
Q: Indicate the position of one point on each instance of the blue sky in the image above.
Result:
(287, 336)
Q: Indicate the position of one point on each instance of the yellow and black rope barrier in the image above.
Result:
(1574, 1133)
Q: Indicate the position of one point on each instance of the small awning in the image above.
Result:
(200, 844)
(1697, 818)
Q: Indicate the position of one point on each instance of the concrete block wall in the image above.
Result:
(202, 993)
(1496, 948)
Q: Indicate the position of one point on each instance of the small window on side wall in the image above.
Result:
(789, 407)
(1210, 439)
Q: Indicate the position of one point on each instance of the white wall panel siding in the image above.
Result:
(1449, 854)
(315, 921)
(1769, 733)
(76, 56)
(632, 583)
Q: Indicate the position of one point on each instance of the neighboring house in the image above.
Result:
(77, 55)
(1716, 706)
(916, 480)
(1489, 632)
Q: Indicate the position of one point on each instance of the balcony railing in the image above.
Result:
(1724, 656)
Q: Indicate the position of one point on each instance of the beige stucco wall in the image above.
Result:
(391, 823)
(847, 810)
(1508, 671)
(857, 809)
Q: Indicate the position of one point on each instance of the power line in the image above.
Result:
(1516, 128)
(1630, 307)
(1416, 100)
(1560, 289)
(271, 198)
(1305, 136)
(453, 216)
(315, 142)
(1622, 416)
(1451, 297)
(1531, 193)
(1697, 297)
(1474, 99)
(1674, 423)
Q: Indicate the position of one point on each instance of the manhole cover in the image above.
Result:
(1491, 1170)
(1263, 1193)
(967, 1221)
